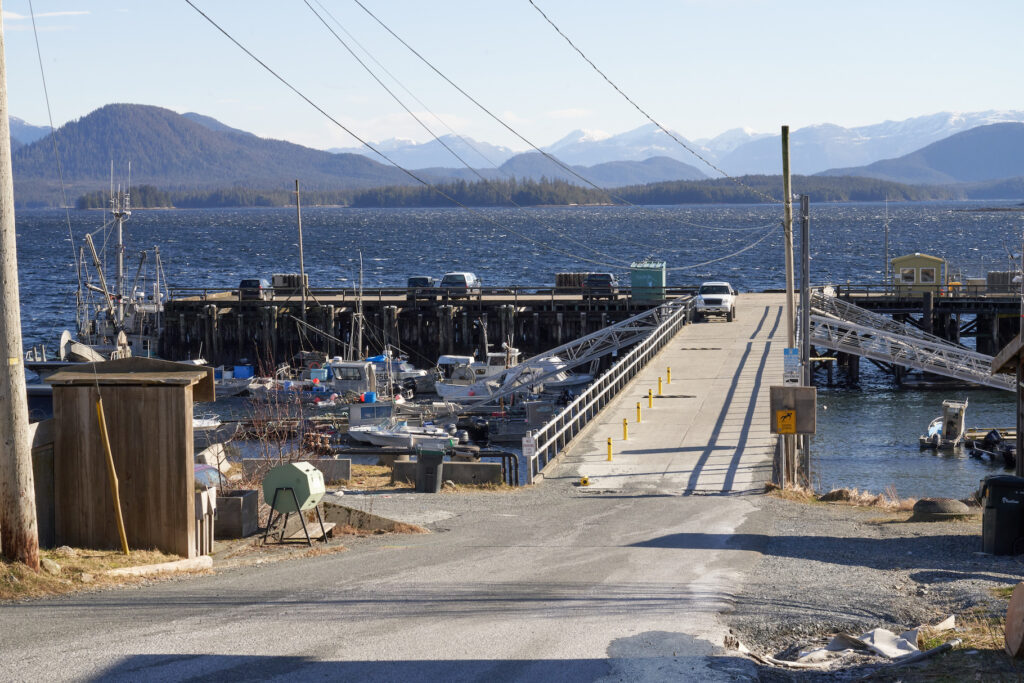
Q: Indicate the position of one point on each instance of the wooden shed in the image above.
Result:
(148, 408)
(919, 273)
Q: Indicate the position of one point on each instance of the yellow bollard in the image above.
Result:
(609, 449)
(668, 375)
(650, 398)
(625, 429)
(638, 412)
(659, 386)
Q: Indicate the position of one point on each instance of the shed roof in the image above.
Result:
(137, 371)
(918, 256)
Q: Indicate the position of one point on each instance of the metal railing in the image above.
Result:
(563, 427)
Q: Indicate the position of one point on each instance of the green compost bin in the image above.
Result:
(647, 281)
(305, 480)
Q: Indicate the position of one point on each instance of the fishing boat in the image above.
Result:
(122, 319)
(547, 374)
(457, 376)
(946, 431)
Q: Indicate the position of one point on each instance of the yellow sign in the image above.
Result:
(786, 421)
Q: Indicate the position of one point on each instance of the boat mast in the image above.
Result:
(121, 209)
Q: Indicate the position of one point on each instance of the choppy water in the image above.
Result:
(867, 437)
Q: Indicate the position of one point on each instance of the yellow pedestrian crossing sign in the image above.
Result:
(785, 421)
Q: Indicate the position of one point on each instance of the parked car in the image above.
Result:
(255, 289)
(460, 283)
(600, 286)
(421, 286)
(716, 298)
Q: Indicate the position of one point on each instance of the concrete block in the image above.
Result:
(457, 472)
(333, 469)
(236, 514)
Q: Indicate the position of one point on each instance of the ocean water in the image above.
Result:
(867, 436)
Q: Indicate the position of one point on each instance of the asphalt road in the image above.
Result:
(551, 582)
(532, 585)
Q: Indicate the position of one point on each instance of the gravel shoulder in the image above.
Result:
(829, 568)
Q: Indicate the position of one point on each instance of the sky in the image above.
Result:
(699, 67)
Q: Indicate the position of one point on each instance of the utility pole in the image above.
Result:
(788, 440)
(805, 325)
(302, 265)
(19, 536)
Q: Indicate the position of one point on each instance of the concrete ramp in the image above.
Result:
(709, 431)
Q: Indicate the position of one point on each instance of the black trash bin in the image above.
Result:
(429, 468)
(1002, 525)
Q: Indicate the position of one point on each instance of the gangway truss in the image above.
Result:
(842, 326)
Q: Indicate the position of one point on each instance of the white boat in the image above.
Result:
(117, 319)
(946, 431)
(458, 376)
(542, 375)
(399, 434)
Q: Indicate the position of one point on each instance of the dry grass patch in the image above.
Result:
(374, 478)
(500, 487)
(79, 569)
(889, 500)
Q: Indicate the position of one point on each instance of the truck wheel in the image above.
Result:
(697, 317)
(731, 315)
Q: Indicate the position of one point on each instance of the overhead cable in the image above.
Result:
(384, 156)
(650, 118)
(508, 197)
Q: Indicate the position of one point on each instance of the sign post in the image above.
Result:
(529, 453)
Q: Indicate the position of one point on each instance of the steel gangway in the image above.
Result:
(841, 326)
(584, 350)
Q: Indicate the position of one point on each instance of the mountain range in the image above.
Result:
(813, 149)
(182, 152)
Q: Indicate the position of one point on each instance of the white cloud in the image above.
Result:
(14, 16)
(568, 113)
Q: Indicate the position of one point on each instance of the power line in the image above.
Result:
(508, 197)
(384, 156)
(648, 116)
(555, 160)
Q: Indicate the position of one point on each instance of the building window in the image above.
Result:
(927, 276)
(908, 276)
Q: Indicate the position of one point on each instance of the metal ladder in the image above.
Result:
(841, 326)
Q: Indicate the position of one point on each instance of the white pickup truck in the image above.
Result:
(715, 298)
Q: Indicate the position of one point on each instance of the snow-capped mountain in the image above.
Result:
(826, 146)
(412, 154)
(587, 149)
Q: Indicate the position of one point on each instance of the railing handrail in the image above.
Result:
(577, 413)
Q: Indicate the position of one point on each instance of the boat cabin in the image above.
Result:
(355, 376)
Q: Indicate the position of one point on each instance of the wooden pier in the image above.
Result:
(225, 330)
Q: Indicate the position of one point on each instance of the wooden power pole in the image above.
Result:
(788, 440)
(19, 535)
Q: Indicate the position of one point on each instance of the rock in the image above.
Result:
(86, 577)
(66, 551)
(837, 495)
(448, 483)
(50, 567)
(938, 509)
